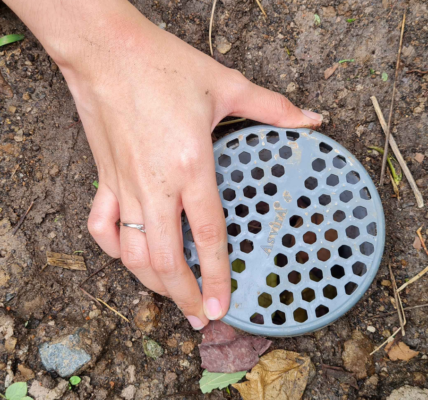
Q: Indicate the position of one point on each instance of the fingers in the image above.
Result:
(102, 221)
(206, 217)
(164, 237)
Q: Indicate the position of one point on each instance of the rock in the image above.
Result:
(170, 377)
(408, 51)
(187, 347)
(38, 392)
(131, 373)
(151, 348)
(6, 327)
(25, 374)
(369, 388)
(11, 109)
(222, 44)
(26, 96)
(422, 182)
(54, 171)
(143, 391)
(409, 393)
(356, 355)
(291, 87)
(371, 329)
(147, 315)
(360, 130)
(419, 157)
(129, 392)
(94, 314)
(10, 344)
(19, 136)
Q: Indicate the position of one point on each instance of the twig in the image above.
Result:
(390, 339)
(394, 312)
(418, 232)
(396, 150)
(385, 155)
(21, 221)
(414, 279)
(417, 71)
(401, 316)
(211, 28)
(233, 121)
(112, 261)
(112, 309)
(89, 295)
(261, 8)
(14, 171)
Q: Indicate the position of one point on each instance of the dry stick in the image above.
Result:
(394, 313)
(261, 8)
(418, 232)
(414, 279)
(390, 339)
(21, 221)
(112, 309)
(99, 270)
(397, 153)
(397, 298)
(417, 71)
(234, 121)
(385, 154)
(211, 28)
(89, 295)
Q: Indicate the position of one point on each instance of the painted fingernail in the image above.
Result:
(195, 322)
(212, 308)
(313, 115)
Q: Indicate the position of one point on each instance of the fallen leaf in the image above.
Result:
(340, 375)
(417, 244)
(213, 380)
(280, 374)
(224, 350)
(5, 89)
(400, 351)
(66, 261)
(419, 157)
(384, 76)
(330, 71)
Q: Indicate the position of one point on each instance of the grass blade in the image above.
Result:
(8, 39)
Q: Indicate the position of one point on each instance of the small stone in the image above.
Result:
(187, 347)
(147, 315)
(54, 171)
(129, 392)
(369, 388)
(386, 283)
(162, 25)
(371, 329)
(94, 314)
(408, 393)
(422, 182)
(11, 109)
(222, 44)
(172, 342)
(419, 157)
(39, 392)
(26, 96)
(170, 377)
(54, 67)
(52, 235)
(152, 349)
(26, 373)
(10, 344)
(291, 87)
(184, 363)
(360, 130)
(386, 333)
(19, 136)
(128, 343)
(356, 355)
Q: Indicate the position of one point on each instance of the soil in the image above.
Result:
(44, 156)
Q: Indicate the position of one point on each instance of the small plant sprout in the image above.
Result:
(346, 61)
(8, 39)
(350, 20)
(384, 76)
(74, 381)
(317, 19)
(95, 183)
(16, 391)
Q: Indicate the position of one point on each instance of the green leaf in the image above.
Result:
(27, 398)
(317, 19)
(372, 71)
(75, 380)
(351, 20)
(16, 391)
(344, 61)
(95, 183)
(384, 76)
(211, 380)
(10, 39)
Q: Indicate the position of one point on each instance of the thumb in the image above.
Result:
(263, 105)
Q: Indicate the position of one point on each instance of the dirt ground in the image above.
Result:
(44, 156)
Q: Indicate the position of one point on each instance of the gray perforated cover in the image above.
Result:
(305, 226)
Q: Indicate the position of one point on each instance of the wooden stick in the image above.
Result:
(211, 28)
(21, 221)
(390, 339)
(397, 153)
(233, 121)
(417, 71)
(112, 309)
(400, 311)
(418, 232)
(394, 313)
(261, 8)
(385, 154)
(414, 279)
(99, 270)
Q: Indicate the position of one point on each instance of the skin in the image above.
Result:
(148, 103)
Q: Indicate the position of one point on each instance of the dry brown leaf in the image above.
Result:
(400, 351)
(5, 89)
(419, 157)
(66, 261)
(330, 71)
(280, 374)
(417, 244)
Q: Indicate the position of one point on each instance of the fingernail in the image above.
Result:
(212, 308)
(313, 115)
(195, 322)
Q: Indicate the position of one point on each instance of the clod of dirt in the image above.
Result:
(187, 347)
(147, 315)
(38, 392)
(356, 355)
(370, 387)
(400, 351)
(224, 350)
(409, 393)
(25, 374)
(129, 392)
(6, 327)
(222, 44)
(5, 89)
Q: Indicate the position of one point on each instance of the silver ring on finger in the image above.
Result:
(140, 227)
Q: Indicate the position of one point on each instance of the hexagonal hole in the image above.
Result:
(285, 152)
(265, 155)
(225, 212)
(233, 285)
(237, 176)
(310, 237)
(229, 194)
(219, 178)
(272, 280)
(302, 257)
(321, 310)
(372, 229)
(300, 315)
(331, 235)
(257, 173)
(188, 236)
(241, 210)
(270, 189)
(196, 270)
(288, 240)
(233, 144)
(367, 248)
(244, 157)
(323, 254)
(278, 318)
(224, 160)
(303, 202)
(337, 271)
(265, 300)
(325, 148)
(286, 297)
(365, 194)
(324, 199)
(272, 137)
(246, 246)
(318, 165)
(262, 207)
(293, 136)
(249, 192)
(257, 318)
(315, 274)
(350, 287)
(296, 221)
(332, 180)
(345, 251)
(311, 183)
(308, 295)
(346, 196)
(294, 277)
(359, 268)
(278, 170)
(339, 216)
(317, 219)
(330, 292)
(360, 212)
(229, 249)
(252, 140)
(233, 229)
(280, 260)
(352, 177)
(352, 232)
(339, 162)
(238, 265)
(254, 226)
(187, 253)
